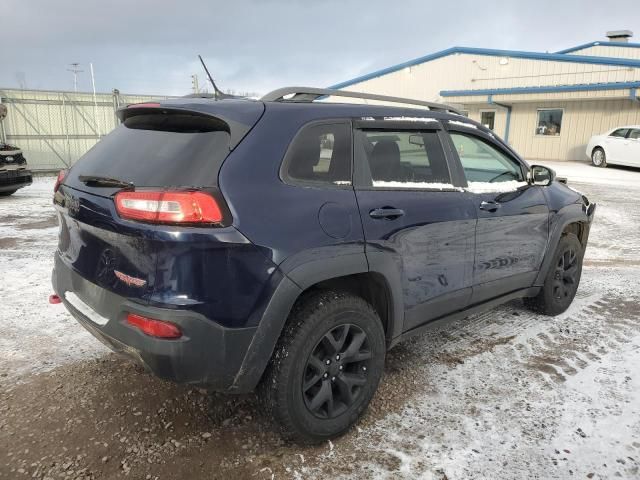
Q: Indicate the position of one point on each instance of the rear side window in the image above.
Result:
(160, 150)
(404, 159)
(635, 133)
(320, 154)
(482, 162)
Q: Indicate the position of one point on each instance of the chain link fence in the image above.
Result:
(55, 128)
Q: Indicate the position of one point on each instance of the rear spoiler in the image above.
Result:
(237, 117)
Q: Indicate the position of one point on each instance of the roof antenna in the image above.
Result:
(218, 94)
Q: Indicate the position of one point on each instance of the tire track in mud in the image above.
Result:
(574, 342)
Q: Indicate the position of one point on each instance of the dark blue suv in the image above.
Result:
(285, 244)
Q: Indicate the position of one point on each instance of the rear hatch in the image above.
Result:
(175, 146)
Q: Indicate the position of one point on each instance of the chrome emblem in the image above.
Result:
(9, 159)
(129, 280)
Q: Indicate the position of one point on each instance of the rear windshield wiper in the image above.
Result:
(96, 181)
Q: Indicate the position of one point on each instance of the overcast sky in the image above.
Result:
(151, 46)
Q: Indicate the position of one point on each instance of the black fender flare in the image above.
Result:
(573, 213)
(300, 272)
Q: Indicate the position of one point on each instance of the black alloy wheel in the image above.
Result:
(325, 368)
(565, 278)
(336, 371)
(562, 278)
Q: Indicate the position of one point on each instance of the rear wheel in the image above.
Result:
(561, 284)
(6, 194)
(325, 368)
(598, 157)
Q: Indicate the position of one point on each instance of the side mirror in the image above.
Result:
(540, 175)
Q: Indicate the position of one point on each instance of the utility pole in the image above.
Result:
(95, 101)
(194, 84)
(75, 70)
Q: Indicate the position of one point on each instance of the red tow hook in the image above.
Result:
(54, 299)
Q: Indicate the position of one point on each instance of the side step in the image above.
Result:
(478, 308)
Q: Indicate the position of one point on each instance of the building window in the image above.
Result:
(549, 122)
(488, 119)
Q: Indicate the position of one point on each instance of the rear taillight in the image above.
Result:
(168, 207)
(61, 175)
(153, 327)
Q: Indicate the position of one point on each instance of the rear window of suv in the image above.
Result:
(160, 150)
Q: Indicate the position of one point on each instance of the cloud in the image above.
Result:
(151, 46)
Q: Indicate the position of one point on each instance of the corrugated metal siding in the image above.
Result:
(580, 121)
(586, 113)
(55, 128)
(466, 72)
(609, 51)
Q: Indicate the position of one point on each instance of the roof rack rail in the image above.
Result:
(309, 94)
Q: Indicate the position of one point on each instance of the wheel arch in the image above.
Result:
(570, 219)
(348, 272)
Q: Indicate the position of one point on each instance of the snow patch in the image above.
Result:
(462, 124)
(412, 119)
(497, 187)
(415, 185)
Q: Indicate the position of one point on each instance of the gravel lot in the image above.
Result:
(503, 395)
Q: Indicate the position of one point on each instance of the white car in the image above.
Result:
(620, 146)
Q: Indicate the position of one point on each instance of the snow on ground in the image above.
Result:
(36, 335)
(507, 394)
(584, 172)
(528, 397)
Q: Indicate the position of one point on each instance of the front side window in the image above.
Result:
(621, 133)
(484, 163)
(404, 159)
(549, 122)
(320, 154)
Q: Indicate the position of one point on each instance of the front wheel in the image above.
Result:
(325, 368)
(598, 157)
(562, 280)
(6, 194)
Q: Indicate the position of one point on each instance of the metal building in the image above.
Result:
(547, 105)
(54, 128)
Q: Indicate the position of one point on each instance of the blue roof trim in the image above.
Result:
(594, 44)
(624, 62)
(545, 89)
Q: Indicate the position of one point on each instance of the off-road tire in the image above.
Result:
(557, 293)
(595, 158)
(281, 391)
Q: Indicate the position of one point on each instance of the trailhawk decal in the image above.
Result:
(129, 280)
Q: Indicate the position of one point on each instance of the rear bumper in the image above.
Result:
(11, 180)
(208, 354)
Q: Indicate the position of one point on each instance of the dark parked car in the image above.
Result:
(14, 173)
(286, 244)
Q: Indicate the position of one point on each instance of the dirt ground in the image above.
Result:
(502, 395)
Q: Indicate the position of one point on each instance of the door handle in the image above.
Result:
(489, 206)
(386, 212)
